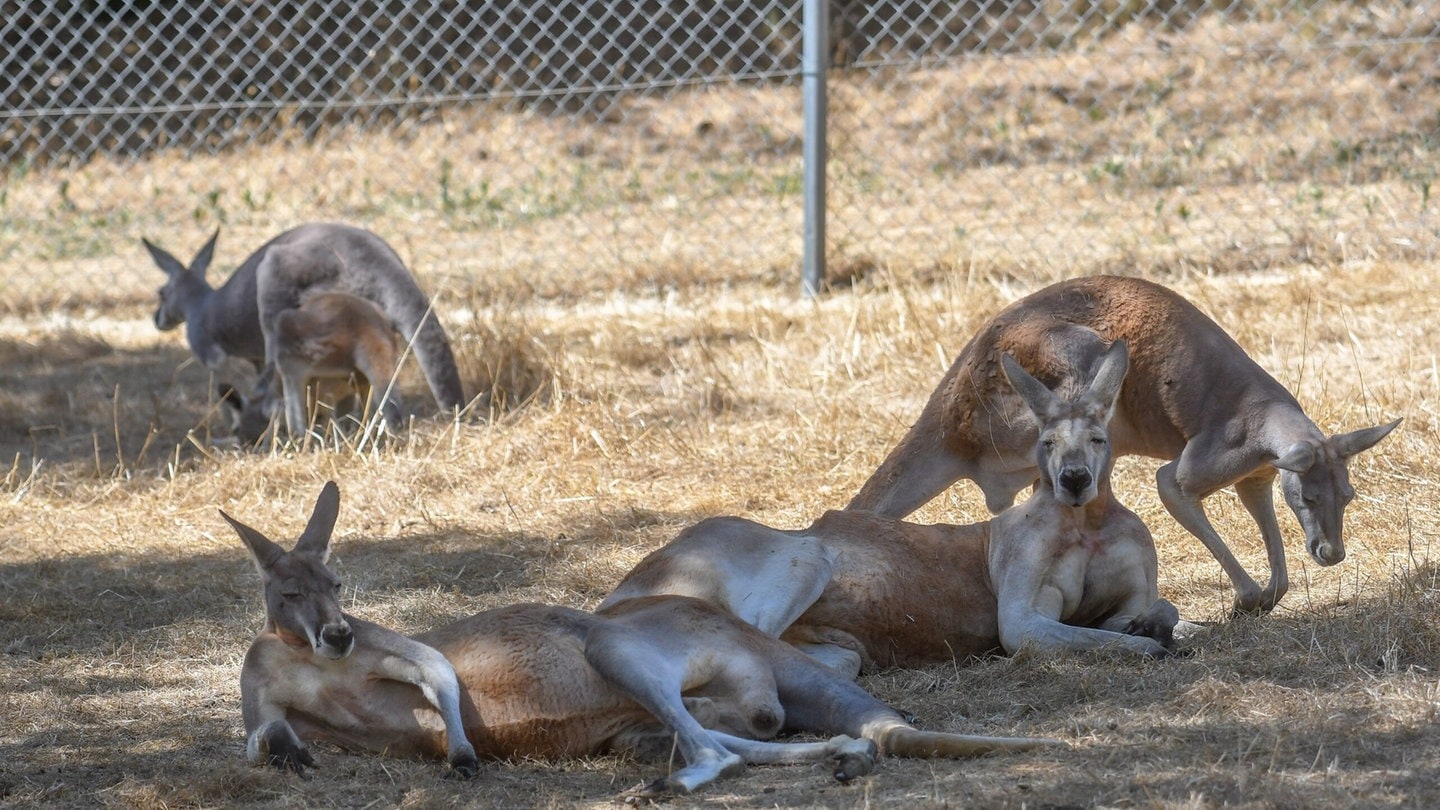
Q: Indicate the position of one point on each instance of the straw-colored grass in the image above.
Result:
(128, 603)
(630, 383)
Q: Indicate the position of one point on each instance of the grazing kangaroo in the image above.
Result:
(1193, 398)
(241, 318)
(544, 681)
(1069, 569)
(331, 336)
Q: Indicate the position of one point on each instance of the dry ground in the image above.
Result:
(127, 604)
(651, 374)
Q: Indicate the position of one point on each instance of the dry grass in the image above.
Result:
(668, 381)
(128, 603)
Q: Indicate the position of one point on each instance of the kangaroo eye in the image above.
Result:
(1098, 440)
(289, 596)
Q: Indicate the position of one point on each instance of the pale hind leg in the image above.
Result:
(852, 757)
(1158, 622)
(743, 693)
(655, 678)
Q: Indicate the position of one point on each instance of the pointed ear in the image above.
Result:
(1105, 388)
(1356, 442)
(1038, 398)
(316, 537)
(1299, 458)
(261, 548)
(201, 262)
(168, 263)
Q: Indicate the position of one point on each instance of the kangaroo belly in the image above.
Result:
(528, 690)
(910, 594)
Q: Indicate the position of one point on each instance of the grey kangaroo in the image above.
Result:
(241, 318)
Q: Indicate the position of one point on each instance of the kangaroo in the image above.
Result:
(1193, 398)
(241, 318)
(331, 336)
(1068, 569)
(534, 680)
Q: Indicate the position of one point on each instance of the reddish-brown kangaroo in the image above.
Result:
(1192, 397)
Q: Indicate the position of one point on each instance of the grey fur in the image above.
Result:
(239, 318)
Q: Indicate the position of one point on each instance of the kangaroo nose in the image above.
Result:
(338, 637)
(1075, 480)
(1327, 553)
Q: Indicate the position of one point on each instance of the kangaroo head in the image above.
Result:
(1315, 481)
(184, 286)
(1073, 450)
(302, 594)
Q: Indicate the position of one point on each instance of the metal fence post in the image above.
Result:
(814, 62)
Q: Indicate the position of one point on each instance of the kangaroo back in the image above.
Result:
(343, 258)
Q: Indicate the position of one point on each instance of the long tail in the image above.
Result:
(819, 700)
(898, 739)
(432, 349)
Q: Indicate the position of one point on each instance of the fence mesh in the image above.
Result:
(544, 146)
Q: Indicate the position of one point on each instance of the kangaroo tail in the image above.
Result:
(898, 739)
(422, 329)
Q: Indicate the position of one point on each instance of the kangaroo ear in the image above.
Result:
(1349, 444)
(1105, 388)
(168, 263)
(201, 262)
(1299, 458)
(261, 548)
(1038, 398)
(316, 537)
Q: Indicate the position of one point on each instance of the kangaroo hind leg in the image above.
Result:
(655, 675)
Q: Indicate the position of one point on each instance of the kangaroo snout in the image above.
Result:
(1326, 552)
(336, 640)
(164, 322)
(1076, 480)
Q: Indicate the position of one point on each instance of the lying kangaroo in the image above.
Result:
(330, 336)
(241, 318)
(1193, 397)
(537, 680)
(1069, 569)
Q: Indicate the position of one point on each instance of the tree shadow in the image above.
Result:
(72, 399)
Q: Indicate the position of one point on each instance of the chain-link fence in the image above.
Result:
(550, 143)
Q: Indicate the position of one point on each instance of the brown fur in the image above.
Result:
(336, 336)
(1192, 397)
(1065, 570)
(543, 681)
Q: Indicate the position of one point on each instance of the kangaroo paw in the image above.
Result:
(463, 767)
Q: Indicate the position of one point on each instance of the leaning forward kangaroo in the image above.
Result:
(240, 318)
(1069, 569)
(1193, 398)
(541, 681)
